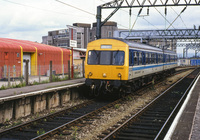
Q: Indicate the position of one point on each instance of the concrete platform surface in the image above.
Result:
(17, 91)
(187, 126)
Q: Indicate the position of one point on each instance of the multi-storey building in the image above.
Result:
(80, 32)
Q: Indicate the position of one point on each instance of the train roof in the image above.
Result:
(142, 46)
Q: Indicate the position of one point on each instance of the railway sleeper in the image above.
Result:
(139, 135)
(65, 118)
(60, 120)
(149, 131)
(153, 124)
(156, 115)
(150, 121)
(157, 112)
(54, 123)
(20, 135)
(152, 118)
(125, 138)
(45, 127)
(143, 127)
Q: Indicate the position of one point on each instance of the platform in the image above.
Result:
(27, 89)
(186, 125)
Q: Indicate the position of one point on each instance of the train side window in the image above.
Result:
(161, 58)
(131, 58)
(135, 59)
(156, 58)
(140, 58)
(152, 58)
(143, 58)
(146, 58)
(172, 58)
(167, 58)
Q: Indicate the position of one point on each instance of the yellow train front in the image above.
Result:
(123, 66)
(106, 65)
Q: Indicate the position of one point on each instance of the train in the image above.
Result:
(116, 65)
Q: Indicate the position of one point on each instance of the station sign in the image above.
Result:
(73, 43)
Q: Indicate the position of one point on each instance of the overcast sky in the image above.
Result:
(32, 19)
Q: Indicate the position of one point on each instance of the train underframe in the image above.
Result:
(122, 87)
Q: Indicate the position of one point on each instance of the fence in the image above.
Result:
(30, 74)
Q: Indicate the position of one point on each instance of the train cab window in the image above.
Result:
(93, 57)
(135, 59)
(105, 58)
(118, 58)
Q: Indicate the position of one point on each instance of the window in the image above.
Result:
(109, 34)
(147, 58)
(93, 57)
(17, 54)
(161, 58)
(143, 58)
(140, 58)
(135, 58)
(172, 57)
(167, 58)
(90, 35)
(131, 58)
(152, 58)
(106, 57)
(118, 58)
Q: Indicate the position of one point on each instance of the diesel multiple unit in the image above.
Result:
(120, 65)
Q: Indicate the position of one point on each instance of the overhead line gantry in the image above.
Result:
(117, 4)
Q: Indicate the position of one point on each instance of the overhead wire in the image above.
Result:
(163, 16)
(134, 22)
(82, 10)
(75, 7)
(180, 18)
(25, 5)
(176, 18)
(33, 7)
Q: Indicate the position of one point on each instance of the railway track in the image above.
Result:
(153, 121)
(42, 127)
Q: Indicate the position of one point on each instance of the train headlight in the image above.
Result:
(104, 74)
(90, 73)
(119, 75)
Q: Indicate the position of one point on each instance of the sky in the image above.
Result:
(32, 19)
